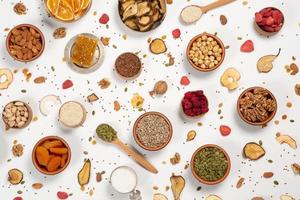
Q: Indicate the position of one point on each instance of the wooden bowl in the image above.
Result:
(29, 26)
(192, 117)
(263, 32)
(60, 117)
(42, 169)
(28, 120)
(210, 182)
(190, 45)
(132, 77)
(140, 143)
(82, 13)
(256, 123)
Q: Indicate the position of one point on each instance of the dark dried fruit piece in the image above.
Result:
(223, 19)
(268, 174)
(253, 151)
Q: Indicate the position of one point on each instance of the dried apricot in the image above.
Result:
(59, 150)
(54, 164)
(63, 160)
(42, 155)
(52, 144)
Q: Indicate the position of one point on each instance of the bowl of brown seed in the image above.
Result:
(25, 43)
(16, 115)
(257, 106)
(205, 52)
(152, 131)
(128, 66)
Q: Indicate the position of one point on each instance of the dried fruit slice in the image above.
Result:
(286, 197)
(84, 4)
(53, 6)
(287, 140)
(265, 63)
(15, 176)
(44, 103)
(191, 135)
(230, 78)
(9, 78)
(65, 12)
(54, 164)
(213, 197)
(177, 186)
(85, 173)
(158, 46)
(159, 196)
(42, 155)
(253, 151)
(76, 5)
(247, 46)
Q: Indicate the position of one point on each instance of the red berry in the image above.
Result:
(176, 33)
(270, 21)
(258, 17)
(62, 195)
(67, 84)
(247, 47)
(104, 19)
(225, 130)
(18, 198)
(184, 81)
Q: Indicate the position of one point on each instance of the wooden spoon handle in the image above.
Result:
(215, 5)
(136, 156)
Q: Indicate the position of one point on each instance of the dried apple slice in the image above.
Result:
(159, 196)
(158, 46)
(213, 197)
(130, 11)
(15, 176)
(9, 78)
(144, 20)
(143, 9)
(85, 173)
(253, 151)
(177, 186)
(286, 197)
(287, 140)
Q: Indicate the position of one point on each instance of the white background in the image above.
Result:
(106, 157)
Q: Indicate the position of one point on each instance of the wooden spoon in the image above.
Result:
(136, 156)
(106, 133)
(193, 13)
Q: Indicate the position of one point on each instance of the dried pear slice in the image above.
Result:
(163, 7)
(286, 197)
(125, 4)
(145, 28)
(159, 196)
(265, 63)
(287, 140)
(142, 8)
(130, 11)
(15, 176)
(157, 46)
(213, 197)
(131, 24)
(253, 151)
(144, 20)
(85, 173)
(156, 16)
(177, 186)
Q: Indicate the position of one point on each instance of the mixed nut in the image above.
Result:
(16, 115)
(25, 42)
(142, 15)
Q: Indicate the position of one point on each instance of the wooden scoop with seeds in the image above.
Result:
(106, 133)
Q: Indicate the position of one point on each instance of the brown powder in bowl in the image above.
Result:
(128, 65)
(153, 131)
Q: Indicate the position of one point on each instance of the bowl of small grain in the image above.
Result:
(128, 66)
(205, 52)
(16, 115)
(257, 106)
(152, 131)
(210, 164)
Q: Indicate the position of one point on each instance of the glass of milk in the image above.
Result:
(124, 180)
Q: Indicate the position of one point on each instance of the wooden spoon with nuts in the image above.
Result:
(193, 13)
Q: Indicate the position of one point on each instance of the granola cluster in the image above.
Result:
(257, 105)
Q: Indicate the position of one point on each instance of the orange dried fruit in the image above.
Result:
(54, 164)
(52, 144)
(42, 155)
(69, 3)
(84, 4)
(65, 12)
(59, 151)
(76, 5)
(53, 6)
(63, 160)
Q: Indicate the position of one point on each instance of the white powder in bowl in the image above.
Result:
(191, 14)
(123, 179)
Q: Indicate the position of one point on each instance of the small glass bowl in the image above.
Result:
(98, 56)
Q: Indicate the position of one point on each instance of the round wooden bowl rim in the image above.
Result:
(152, 148)
(34, 160)
(210, 182)
(132, 77)
(83, 110)
(219, 41)
(256, 123)
(42, 40)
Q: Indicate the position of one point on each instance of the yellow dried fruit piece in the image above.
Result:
(213, 197)
(53, 6)
(137, 101)
(253, 151)
(85, 173)
(76, 5)
(159, 196)
(158, 46)
(8, 78)
(230, 78)
(265, 63)
(286, 197)
(191, 135)
(15, 176)
(287, 140)
(42, 155)
(84, 4)
(177, 186)
(65, 12)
